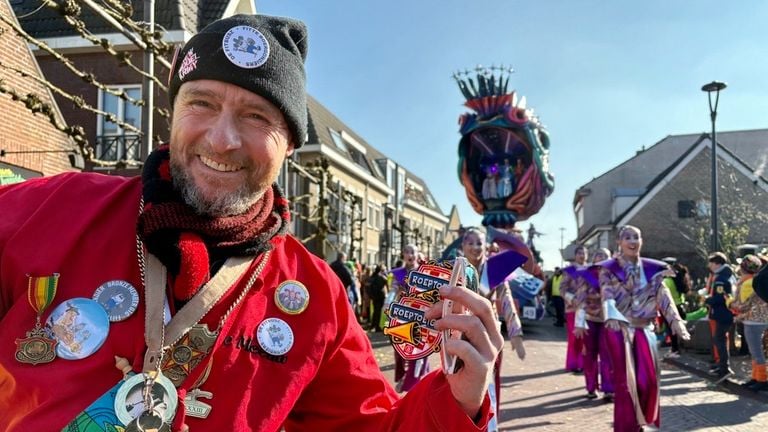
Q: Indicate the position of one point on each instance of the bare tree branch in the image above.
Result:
(36, 105)
(87, 77)
(131, 37)
(70, 16)
(78, 101)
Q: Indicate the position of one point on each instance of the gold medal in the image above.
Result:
(187, 353)
(38, 346)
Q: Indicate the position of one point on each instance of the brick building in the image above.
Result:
(20, 130)
(665, 191)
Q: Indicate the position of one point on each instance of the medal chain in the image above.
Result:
(201, 380)
(240, 297)
(149, 378)
(245, 290)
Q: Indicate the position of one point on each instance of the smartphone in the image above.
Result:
(451, 363)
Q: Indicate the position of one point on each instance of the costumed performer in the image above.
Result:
(569, 285)
(632, 294)
(589, 325)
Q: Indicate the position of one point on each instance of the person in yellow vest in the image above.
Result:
(753, 313)
(557, 300)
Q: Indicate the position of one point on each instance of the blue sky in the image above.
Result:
(605, 77)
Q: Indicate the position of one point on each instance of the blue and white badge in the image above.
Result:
(80, 325)
(275, 336)
(118, 298)
(245, 46)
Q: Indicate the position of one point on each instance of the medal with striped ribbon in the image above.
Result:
(39, 346)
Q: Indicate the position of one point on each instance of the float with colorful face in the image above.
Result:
(503, 152)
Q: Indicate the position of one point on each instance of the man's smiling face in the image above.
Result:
(227, 146)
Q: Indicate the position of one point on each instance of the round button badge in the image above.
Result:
(119, 299)
(80, 325)
(275, 336)
(245, 46)
(292, 297)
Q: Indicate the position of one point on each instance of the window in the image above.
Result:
(370, 215)
(338, 141)
(351, 150)
(377, 168)
(702, 208)
(360, 160)
(686, 209)
(374, 216)
(377, 220)
(579, 215)
(114, 142)
(430, 201)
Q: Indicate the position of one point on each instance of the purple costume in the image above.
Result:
(572, 280)
(633, 297)
(590, 316)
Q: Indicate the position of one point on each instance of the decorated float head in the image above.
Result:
(504, 149)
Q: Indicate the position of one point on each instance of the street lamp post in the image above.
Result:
(714, 86)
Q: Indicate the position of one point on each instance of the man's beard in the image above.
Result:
(222, 205)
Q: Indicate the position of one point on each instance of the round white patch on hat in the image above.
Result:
(245, 47)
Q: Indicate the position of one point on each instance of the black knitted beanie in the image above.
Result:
(260, 53)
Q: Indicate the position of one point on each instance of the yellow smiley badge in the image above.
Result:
(292, 297)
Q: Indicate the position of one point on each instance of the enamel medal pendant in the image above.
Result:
(187, 353)
(145, 402)
(38, 347)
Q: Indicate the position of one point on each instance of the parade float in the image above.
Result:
(504, 168)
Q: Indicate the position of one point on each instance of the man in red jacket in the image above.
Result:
(258, 332)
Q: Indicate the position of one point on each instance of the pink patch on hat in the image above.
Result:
(189, 63)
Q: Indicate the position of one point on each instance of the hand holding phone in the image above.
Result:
(451, 363)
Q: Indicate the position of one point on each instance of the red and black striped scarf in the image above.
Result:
(186, 242)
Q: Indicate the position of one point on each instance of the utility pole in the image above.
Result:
(148, 86)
